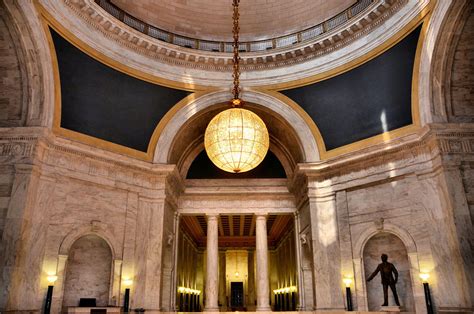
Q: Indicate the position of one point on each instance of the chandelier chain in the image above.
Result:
(236, 140)
(236, 59)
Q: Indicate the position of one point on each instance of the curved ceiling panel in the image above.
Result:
(99, 101)
(366, 101)
(212, 20)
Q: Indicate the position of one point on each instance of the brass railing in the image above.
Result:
(250, 46)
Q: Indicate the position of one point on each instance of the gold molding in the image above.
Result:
(274, 89)
(48, 21)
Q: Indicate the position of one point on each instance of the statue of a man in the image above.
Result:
(387, 270)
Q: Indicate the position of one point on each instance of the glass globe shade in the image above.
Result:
(236, 140)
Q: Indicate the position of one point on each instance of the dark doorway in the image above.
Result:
(236, 295)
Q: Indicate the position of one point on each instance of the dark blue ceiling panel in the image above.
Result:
(366, 101)
(203, 168)
(108, 104)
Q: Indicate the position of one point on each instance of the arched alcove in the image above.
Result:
(179, 140)
(388, 243)
(88, 271)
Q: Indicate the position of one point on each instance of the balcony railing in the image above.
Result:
(250, 46)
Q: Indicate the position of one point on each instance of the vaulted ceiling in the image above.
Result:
(236, 230)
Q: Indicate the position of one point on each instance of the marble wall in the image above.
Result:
(7, 174)
(468, 182)
(386, 243)
(11, 93)
(461, 85)
(76, 193)
(88, 271)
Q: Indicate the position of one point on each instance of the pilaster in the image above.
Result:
(18, 245)
(326, 252)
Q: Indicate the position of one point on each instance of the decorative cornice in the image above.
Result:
(145, 45)
(56, 155)
(434, 143)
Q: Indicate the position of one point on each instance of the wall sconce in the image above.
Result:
(429, 304)
(348, 281)
(51, 278)
(126, 300)
(424, 277)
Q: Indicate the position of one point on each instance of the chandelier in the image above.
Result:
(236, 140)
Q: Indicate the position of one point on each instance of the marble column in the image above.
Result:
(222, 281)
(114, 293)
(301, 304)
(175, 262)
(212, 280)
(251, 281)
(263, 289)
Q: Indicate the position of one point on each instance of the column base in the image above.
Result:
(212, 309)
(390, 309)
(263, 309)
(457, 310)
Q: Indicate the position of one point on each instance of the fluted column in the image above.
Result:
(212, 280)
(263, 289)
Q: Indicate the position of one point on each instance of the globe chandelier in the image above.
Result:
(236, 140)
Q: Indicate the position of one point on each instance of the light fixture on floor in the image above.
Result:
(426, 287)
(127, 282)
(348, 282)
(51, 278)
(236, 140)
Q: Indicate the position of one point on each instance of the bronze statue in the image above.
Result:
(387, 270)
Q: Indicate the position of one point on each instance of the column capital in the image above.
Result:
(261, 216)
(212, 216)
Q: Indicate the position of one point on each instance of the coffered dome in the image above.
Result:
(212, 20)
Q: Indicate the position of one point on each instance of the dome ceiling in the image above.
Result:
(212, 20)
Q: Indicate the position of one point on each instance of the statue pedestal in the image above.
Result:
(390, 309)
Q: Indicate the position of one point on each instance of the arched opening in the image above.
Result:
(387, 243)
(187, 148)
(237, 288)
(88, 271)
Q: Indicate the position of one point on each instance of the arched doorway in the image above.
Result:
(88, 271)
(387, 243)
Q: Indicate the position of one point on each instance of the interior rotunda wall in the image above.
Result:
(419, 189)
